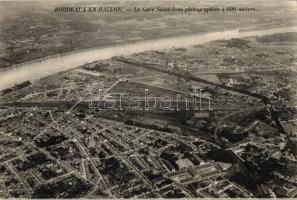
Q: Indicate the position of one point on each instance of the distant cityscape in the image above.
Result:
(61, 137)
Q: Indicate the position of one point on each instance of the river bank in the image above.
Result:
(36, 69)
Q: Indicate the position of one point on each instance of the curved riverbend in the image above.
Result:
(37, 69)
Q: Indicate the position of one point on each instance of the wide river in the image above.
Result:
(37, 69)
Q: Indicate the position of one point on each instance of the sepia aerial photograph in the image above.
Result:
(141, 99)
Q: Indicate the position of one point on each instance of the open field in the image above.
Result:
(32, 31)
